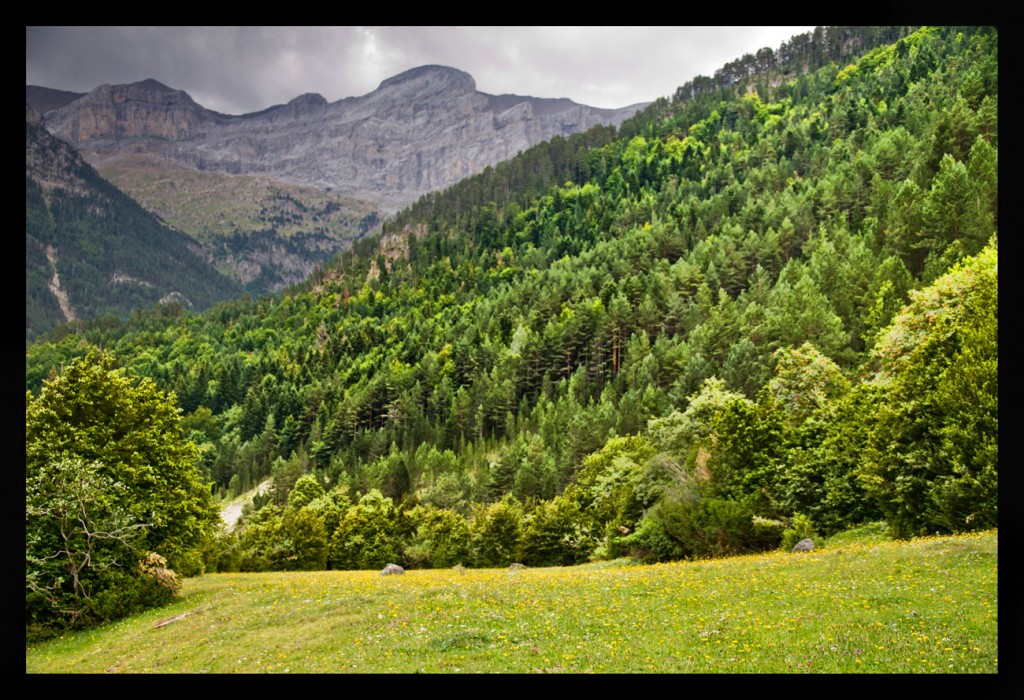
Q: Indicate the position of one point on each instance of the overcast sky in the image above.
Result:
(236, 70)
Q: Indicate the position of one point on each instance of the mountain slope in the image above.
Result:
(263, 233)
(91, 250)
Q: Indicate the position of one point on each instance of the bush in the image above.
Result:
(372, 533)
(498, 533)
(441, 538)
(801, 528)
(124, 593)
(221, 553)
(699, 528)
(555, 536)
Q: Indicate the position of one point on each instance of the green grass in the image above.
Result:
(924, 606)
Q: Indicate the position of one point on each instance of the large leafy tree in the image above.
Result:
(371, 535)
(932, 459)
(109, 479)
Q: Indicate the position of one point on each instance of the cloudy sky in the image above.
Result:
(236, 70)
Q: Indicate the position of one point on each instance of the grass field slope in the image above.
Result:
(927, 605)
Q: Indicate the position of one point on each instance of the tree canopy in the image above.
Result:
(109, 480)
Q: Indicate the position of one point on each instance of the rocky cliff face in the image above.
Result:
(419, 131)
(141, 110)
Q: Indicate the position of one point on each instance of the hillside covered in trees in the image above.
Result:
(93, 251)
(765, 306)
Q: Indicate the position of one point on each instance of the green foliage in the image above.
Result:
(697, 528)
(932, 462)
(127, 595)
(820, 476)
(804, 380)
(287, 473)
(498, 533)
(108, 479)
(554, 535)
(441, 538)
(372, 534)
(259, 542)
(221, 552)
(799, 529)
(307, 489)
(331, 507)
(612, 488)
(305, 540)
(283, 539)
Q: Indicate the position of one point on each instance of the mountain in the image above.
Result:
(420, 131)
(92, 250)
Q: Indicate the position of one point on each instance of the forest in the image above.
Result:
(763, 310)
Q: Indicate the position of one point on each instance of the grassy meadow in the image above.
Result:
(852, 606)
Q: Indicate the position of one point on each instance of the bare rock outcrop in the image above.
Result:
(420, 131)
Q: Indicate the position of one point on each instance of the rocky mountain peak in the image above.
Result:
(150, 85)
(145, 109)
(432, 78)
(309, 99)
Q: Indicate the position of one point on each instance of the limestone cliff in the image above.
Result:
(419, 131)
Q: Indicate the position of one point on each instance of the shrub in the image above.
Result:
(800, 528)
(372, 534)
(555, 536)
(441, 538)
(498, 532)
(698, 528)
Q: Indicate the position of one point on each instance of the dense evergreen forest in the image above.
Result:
(763, 308)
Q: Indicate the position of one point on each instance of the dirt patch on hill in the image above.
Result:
(231, 512)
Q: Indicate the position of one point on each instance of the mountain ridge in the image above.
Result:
(419, 131)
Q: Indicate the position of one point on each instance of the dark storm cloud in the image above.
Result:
(245, 69)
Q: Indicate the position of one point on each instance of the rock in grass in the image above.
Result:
(804, 545)
(392, 569)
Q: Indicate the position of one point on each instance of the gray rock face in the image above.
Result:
(804, 545)
(392, 570)
(419, 131)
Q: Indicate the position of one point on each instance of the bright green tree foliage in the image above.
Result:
(804, 380)
(109, 479)
(306, 490)
(441, 538)
(498, 533)
(555, 536)
(372, 534)
(932, 462)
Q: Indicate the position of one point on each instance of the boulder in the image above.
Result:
(392, 569)
(804, 545)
